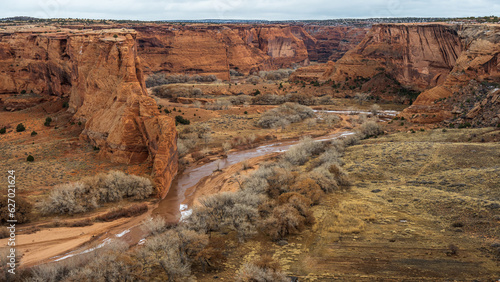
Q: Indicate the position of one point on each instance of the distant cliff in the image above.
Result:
(440, 60)
(469, 95)
(332, 42)
(215, 49)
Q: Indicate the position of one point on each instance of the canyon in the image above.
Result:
(436, 59)
(99, 72)
(90, 78)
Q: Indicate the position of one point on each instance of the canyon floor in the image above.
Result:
(424, 203)
(424, 206)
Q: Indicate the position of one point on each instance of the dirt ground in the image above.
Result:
(424, 203)
(424, 206)
(60, 157)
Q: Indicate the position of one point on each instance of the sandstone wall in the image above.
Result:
(418, 56)
(102, 75)
(332, 42)
(479, 62)
(214, 49)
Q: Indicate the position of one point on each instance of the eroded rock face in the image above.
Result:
(33, 61)
(478, 62)
(102, 75)
(419, 56)
(437, 59)
(215, 49)
(330, 43)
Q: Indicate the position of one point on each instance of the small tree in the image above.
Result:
(48, 120)
(3, 130)
(375, 109)
(33, 133)
(20, 127)
(30, 158)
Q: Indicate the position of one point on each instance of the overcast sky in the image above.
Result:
(246, 9)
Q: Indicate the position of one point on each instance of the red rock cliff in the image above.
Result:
(418, 56)
(101, 73)
(332, 42)
(214, 49)
(469, 101)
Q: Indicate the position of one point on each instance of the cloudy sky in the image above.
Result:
(246, 9)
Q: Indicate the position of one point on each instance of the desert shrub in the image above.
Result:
(275, 74)
(109, 263)
(288, 112)
(264, 269)
(341, 176)
(278, 180)
(233, 72)
(47, 122)
(325, 100)
(20, 128)
(3, 130)
(219, 104)
(154, 225)
(325, 179)
(175, 91)
(361, 97)
(65, 200)
(34, 133)
(182, 147)
(371, 128)
(158, 79)
(375, 109)
(309, 188)
(240, 99)
(253, 79)
(116, 185)
(80, 223)
(284, 220)
(30, 158)
(331, 155)
(123, 212)
(302, 99)
(351, 140)
(172, 253)
(226, 146)
(268, 99)
(331, 119)
(302, 152)
(227, 211)
(181, 120)
(87, 194)
(212, 255)
(53, 272)
(23, 209)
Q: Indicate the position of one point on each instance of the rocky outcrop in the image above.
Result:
(215, 49)
(463, 97)
(330, 43)
(102, 75)
(418, 56)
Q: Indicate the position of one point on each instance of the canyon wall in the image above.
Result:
(418, 56)
(101, 74)
(215, 49)
(469, 94)
(455, 66)
(332, 42)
